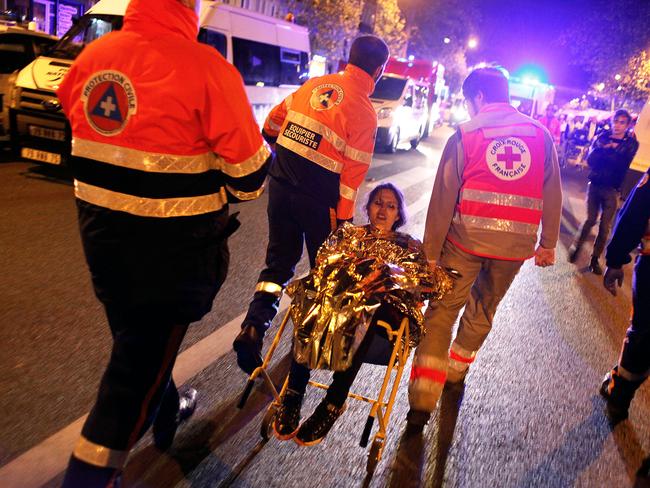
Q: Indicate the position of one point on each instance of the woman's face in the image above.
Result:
(383, 211)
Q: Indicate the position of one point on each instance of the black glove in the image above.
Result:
(613, 276)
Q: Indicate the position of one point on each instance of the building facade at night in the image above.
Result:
(56, 16)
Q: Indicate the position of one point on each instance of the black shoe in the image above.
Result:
(287, 420)
(416, 421)
(573, 255)
(248, 346)
(315, 428)
(619, 393)
(594, 266)
(164, 430)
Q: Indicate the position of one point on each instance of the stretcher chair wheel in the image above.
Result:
(267, 423)
(374, 455)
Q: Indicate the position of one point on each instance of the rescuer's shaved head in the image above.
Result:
(492, 82)
(368, 53)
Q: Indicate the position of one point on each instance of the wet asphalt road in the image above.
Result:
(529, 415)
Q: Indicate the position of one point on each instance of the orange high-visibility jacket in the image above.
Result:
(161, 124)
(325, 137)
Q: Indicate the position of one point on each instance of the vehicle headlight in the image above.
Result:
(384, 113)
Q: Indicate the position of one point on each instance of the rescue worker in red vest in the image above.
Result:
(632, 230)
(163, 137)
(498, 178)
(324, 135)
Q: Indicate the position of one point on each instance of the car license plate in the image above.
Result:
(46, 133)
(43, 156)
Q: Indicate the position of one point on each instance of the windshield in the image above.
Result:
(86, 30)
(388, 88)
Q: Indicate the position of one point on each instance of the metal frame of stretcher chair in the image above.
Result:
(379, 409)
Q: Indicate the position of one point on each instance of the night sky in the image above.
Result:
(515, 33)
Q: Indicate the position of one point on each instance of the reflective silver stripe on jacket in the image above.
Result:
(247, 166)
(347, 192)
(244, 195)
(126, 157)
(308, 153)
(97, 455)
(330, 136)
(504, 199)
(269, 287)
(150, 207)
(489, 223)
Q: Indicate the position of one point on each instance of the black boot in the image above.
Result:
(594, 266)
(315, 428)
(287, 419)
(416, 420)
(83, 475)
(248, 346)
(618, 392)
(574, 253)
(164, 429)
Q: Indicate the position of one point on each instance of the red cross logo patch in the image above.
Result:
(109, 100)
(508, 159)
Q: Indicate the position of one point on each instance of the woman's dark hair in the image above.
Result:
(399, 196)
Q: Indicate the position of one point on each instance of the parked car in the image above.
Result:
(402, 111)
(18, 48)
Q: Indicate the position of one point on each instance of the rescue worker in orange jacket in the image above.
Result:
(324, 136)
(497, 179)
(163, 137)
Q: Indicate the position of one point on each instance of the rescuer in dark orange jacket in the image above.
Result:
(324, 135)
(163, 138)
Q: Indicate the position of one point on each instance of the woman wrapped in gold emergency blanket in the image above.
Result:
(358, 269)
(362, 275)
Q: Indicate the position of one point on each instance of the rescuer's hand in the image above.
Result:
(611, 278)
(544, 257)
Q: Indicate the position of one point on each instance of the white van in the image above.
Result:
(272, 56)
(402, 111)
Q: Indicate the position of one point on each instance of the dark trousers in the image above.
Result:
(295, 219)
(136, 388)
(342, 381)
(603, 200)
(635, 356)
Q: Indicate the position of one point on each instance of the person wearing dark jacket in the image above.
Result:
(632, 230)
(609, 158)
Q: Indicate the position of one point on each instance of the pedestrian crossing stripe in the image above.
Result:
(109, 100)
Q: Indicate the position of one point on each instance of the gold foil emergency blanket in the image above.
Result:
(357, 270)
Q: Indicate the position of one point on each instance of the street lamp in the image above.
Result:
(446, 40)
(472, 43)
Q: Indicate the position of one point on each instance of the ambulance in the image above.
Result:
(272, 56)
(406, 100)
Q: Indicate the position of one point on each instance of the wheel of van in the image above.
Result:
(392, 145)
(416, 141)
